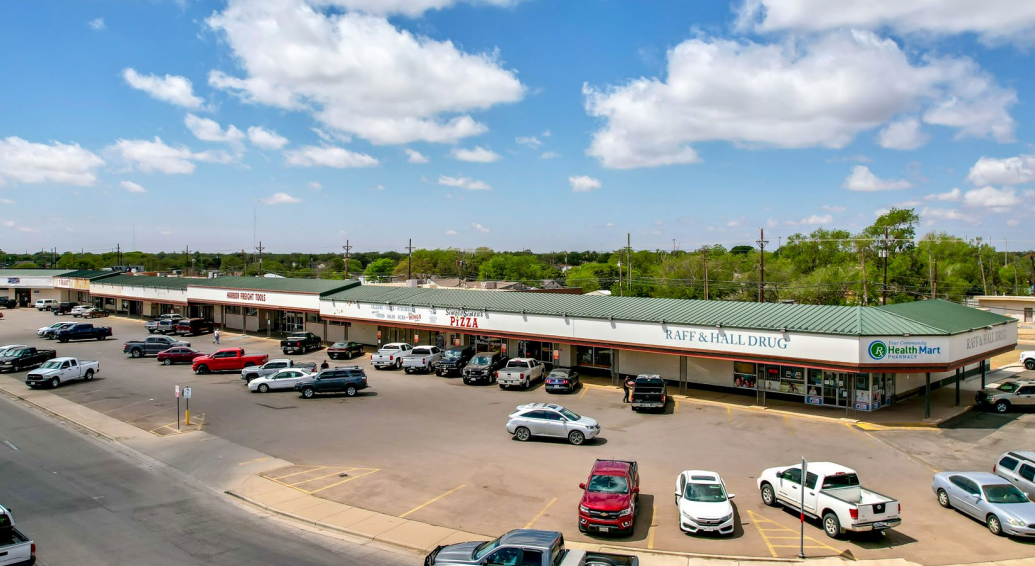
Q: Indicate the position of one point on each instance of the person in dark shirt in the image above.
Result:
(628, 387)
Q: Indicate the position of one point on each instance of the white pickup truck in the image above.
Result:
(421, 358)
(832, 494)
(59, 370)
(522, 372)
(390, 355)
(16, 549)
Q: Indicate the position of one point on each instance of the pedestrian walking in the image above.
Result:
(215, 336)
(630, 381)
(324, 365)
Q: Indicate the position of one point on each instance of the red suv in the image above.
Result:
(609, 497)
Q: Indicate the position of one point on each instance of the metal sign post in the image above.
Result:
(176, 392)
(804, 480)
(186, 395)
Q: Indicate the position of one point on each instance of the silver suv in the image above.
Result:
(1016, 392)
(1018, 468)
(547, 419)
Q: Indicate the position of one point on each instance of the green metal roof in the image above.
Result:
(148, 281)
(933, 319)
(89, 274)
(33, 272)
(282, 284)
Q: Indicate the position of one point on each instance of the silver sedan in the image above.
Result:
(1003, 508)
(548, 419)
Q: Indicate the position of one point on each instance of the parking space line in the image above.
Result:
(675, 406)
(584, 391)
(125, 406)
(294, 474)
(163, 426)
(729, 414)
(343, 481)
(650, 537)
(761, 532)
(79, 393)
(540, 513)
(255, 461)
(793, 534)
(425, 504)
(787, 422)
(162, 410)
(334, 473)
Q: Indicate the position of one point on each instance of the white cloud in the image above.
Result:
(414, 156)
(380, 188)
(358, 73)
(280, 198)
(583, 183)
(952, 195)
(149, 156)
(800, 93)
(463, 183)
(96, 24)
(1009, 171)
(132, 187)
(332, 136)
(7, 201)
(944, 214)
(478, 154)
(30, 162)
(908, 204)
(9, 223)
(902, 134)
(451, 232)
(315, 185)
(266, 139)
(609, 225)
(991, 197)
(173, 89)
(206, 129)
(549, 155)
(863, 180)
(812, 220)
(340, 158)
(529, 141)
(833, 208)
(480, 228)
(409, 7)
(1013, 222)
(993, 20)
(772, 222)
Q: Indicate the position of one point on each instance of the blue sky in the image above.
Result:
(541, 124)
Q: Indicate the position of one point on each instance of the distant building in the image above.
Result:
(1020, 307)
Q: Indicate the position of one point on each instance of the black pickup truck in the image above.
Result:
(83, 331)
(300, 342)
(151, 346)
(649, 392)
(26, 357)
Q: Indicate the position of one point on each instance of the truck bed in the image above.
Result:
(584, 558)
(857, 495)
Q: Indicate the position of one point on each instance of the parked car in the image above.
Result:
(548, 419)
(609, 497)
(520, 372)
(8, 347)
(152, 326)
(421, 358)
(1018, 468)
(300, 342)
(1007, 395)
(344, 350)
(178, 355)
(45, 304)
(49, 332)
(841, 502)
(524, 547)
(63, 308)
(193, 326)
(165, 327)
(151, 346)
(16, 549)
(704, 504)
(1003, 508)
(60, 370)
(348, 380)
(273, 366)
(1027, 358)
(25, 357)
(77, 311)
(563, 380)
(649, 392)
(8, 303)
(389, 355)
(83, 331)
(94, 313)
(453, 361)
(483, 367)
(228, 359)
(284, 379)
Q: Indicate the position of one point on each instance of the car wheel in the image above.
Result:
(831, 525)
(768, 495)
(576, 437)
(1029, 363)
(89, 375)
(264, 388)
(308, 392)
(54, 383)
(167, 362)
(202, 369)
(943, 499)
(398, 364)
(285, 352)
(350, 391)
(994, 526)
(63, 340)
(150, 331)
(1002, 406)
(134, 353)
(522, 434)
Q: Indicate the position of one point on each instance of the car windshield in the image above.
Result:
(1004, 493)
(705, 492)
(481, 361)
(1008, 387)
(52, 365)
(453, 354)
(485, 548)
(608, 484)
(559, 374)
(568, 414)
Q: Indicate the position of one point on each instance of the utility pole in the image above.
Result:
(930, 271)
(884, 291)
(621, 278)
(866, 294)
(460, 266)
(260, 249)
(118, 254)
(186, 260)
(409, 260)
(981, 266)
(704, 260)
(1016, 289)
(628, 255)
(347, 249)
(244, 259)
(761, 241)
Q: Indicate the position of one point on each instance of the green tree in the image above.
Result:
(380, 268)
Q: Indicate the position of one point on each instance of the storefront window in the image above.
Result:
(542, 351)
(785, 379)
(488, 344)
(744, 375)
(312, 317)
(233, 310)
(589, 356)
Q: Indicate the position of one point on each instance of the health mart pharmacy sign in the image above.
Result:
(905, 350)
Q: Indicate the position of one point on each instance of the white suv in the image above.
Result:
(1018, 468)
(45, 304)
(547, 419)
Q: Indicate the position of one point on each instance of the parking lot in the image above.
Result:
(435, 450)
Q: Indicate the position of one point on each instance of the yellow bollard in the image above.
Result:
(188, 417)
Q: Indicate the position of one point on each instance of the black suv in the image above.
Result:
(348, 380)
(8, 303)
(483, 367)
(63, 308)
(453, 360)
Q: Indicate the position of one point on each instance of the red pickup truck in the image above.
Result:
(229, 359)
(609, 497)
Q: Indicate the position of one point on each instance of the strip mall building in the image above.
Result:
(856, 358)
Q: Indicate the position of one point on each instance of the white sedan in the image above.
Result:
(283, 379)
(704, 506)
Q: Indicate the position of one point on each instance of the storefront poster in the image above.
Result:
(745, 381)
(862, 406)
(814, 400)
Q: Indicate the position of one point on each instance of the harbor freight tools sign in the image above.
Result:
(903, 350)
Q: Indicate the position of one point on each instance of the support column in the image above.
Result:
(982, 374)
(958, 387)
(927, 396)
(682, 375)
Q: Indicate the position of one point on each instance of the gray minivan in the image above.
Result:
(1019, 469)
